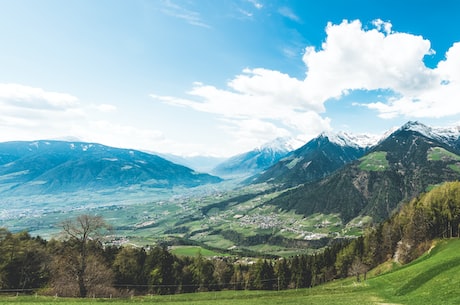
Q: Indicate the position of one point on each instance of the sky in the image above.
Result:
(219, 78)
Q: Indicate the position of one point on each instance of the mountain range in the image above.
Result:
(342, 174)
(317, 159)
(41, 167)
(409, 161)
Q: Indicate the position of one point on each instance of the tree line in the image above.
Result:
(80, 265)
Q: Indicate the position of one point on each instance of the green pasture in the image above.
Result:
(193, 251)
(376, 161)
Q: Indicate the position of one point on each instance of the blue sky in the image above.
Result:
(221, 77)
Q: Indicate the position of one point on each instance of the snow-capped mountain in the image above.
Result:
(407, 162)
(255, 161)
(317, 158)
(349, 139)
(448, 135)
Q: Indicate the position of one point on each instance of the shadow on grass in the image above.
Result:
(427, 275)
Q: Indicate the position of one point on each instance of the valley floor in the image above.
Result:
(434, 278)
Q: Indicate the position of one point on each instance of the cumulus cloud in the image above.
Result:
(352, 57)
(269, 98)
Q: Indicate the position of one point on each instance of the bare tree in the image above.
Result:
(357, 268)
(78, 264)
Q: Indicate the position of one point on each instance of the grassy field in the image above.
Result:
(376, 161)
(432, 279)
(193, 251)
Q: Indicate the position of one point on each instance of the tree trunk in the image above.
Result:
(82, 287)
(81, 276)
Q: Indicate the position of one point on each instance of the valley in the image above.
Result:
(331, 188)
(184, 216)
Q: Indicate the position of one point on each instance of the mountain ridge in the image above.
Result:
(254, 161)
(400, 167)
(52, 166)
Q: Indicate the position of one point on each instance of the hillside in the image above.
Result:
(400, 167)
(432, 279)
(41, 167)
(316, 159)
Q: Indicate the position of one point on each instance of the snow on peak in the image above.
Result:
(343, 138)
(418, 127)
(282, 144)
(444, 134)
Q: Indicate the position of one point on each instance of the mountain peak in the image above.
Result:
(343, 138)
(416, 126)
(443, 134)
(281, 144)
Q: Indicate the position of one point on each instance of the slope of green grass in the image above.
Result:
(434, 278)
(376, 161)
(439, 153)
(431, 279)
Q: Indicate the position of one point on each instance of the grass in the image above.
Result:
(454, 167)
(376, 161)
(431, 279)
(439, 153)
(193, 251)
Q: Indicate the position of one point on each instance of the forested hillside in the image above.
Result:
(396, 170)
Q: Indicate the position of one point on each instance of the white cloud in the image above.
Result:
(256, 4)
(177, 11)
(352, 58)
(381, 25)
(106, 108)
(263, 98)
(288, 13)
(36, 98)
(261, 102)
(29, 113)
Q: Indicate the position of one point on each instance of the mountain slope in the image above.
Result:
(53, 166)
(254, 161)
(204, 164)
(397, 169)
(316, 159)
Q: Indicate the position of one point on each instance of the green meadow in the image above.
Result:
(434, 278)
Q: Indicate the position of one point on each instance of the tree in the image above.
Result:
(203, 272)
(282, 273)
(78, 266)
(23, 261)
(160, 265)
(357, 268)
(128, 267)
(263, 275)
(222, 272)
